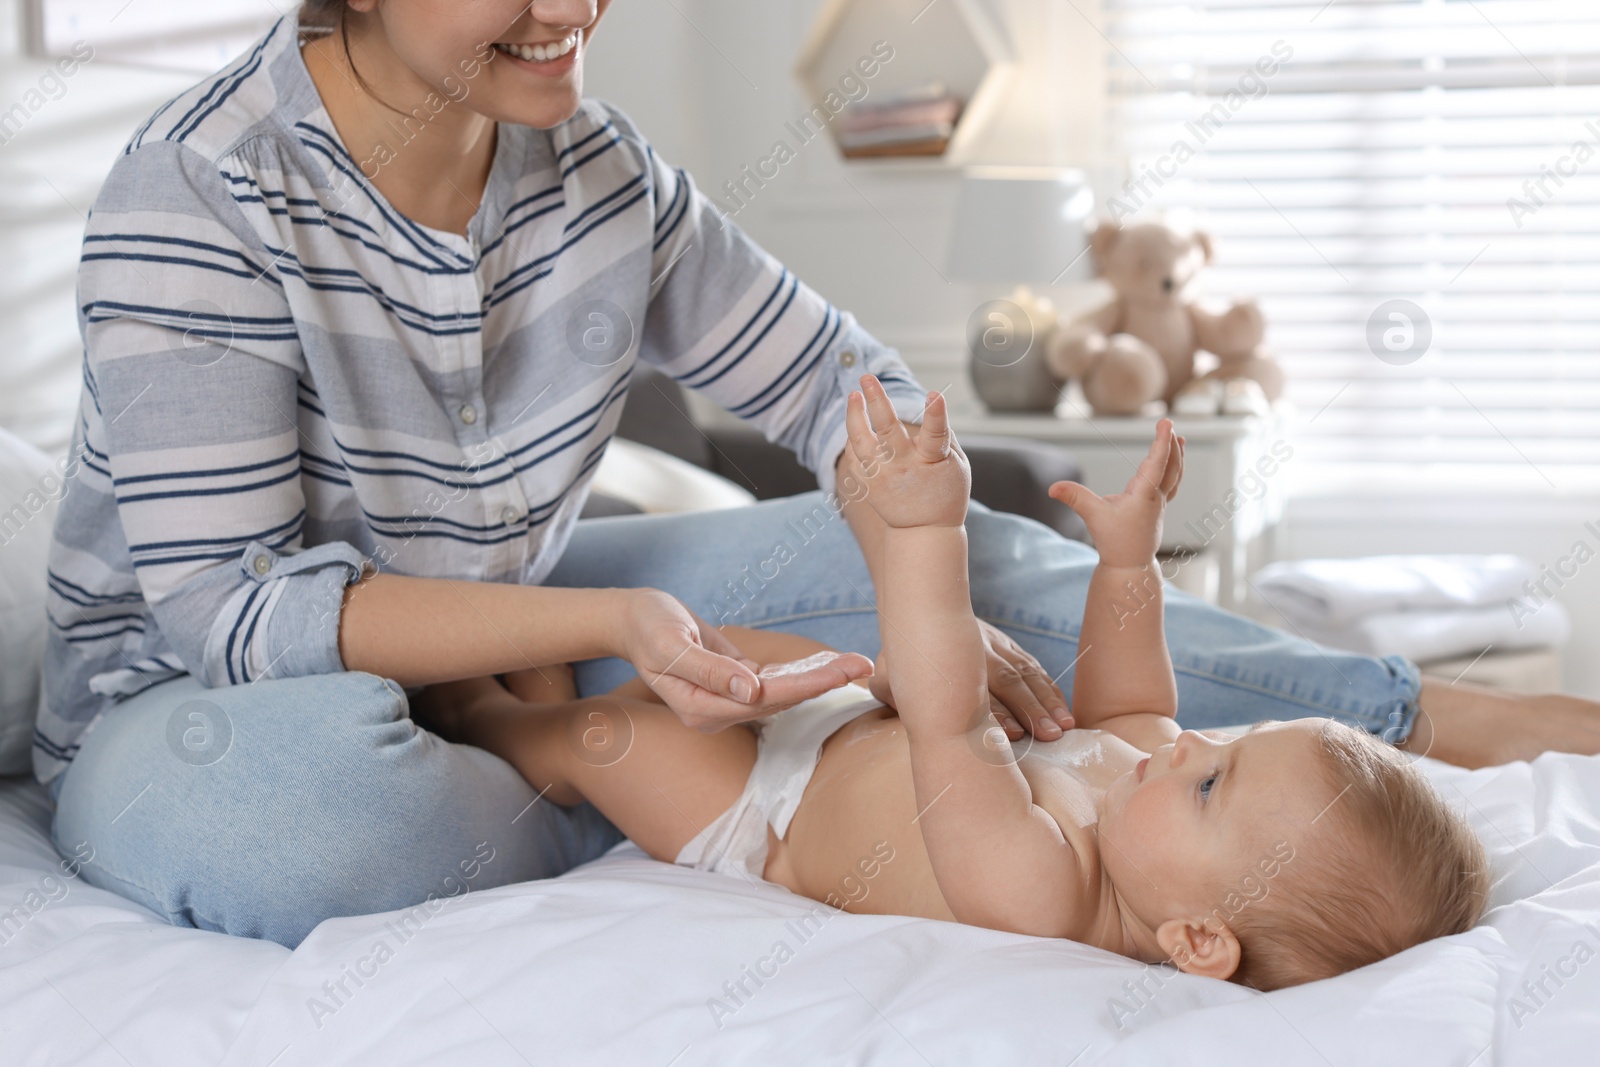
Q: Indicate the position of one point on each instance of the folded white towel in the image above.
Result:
(1332, 593)
(1433, 635)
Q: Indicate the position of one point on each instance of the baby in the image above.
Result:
(1297, 851)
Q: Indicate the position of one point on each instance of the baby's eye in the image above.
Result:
(1205, 786)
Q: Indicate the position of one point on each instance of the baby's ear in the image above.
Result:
(1198, 949)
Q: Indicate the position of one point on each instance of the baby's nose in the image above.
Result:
(1186, 743)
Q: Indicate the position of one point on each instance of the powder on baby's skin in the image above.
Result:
(860, 731)
(1075, 748)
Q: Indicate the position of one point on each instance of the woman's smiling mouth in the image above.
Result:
(543, 52)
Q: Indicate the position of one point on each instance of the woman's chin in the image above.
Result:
(551, 108)
(521, 94)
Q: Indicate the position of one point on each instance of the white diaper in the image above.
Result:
(786, 756)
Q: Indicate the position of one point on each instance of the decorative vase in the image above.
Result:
(1006, 342)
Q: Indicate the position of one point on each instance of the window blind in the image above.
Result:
(1352, 154)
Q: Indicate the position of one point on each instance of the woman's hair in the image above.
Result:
(321, 13)
(1392, 867)
(322, 18)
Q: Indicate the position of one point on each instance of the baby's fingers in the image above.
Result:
(884, 418)
(1174, 475)
(1079, 498)
(863, 442)
(933, 440)
(1152, 472)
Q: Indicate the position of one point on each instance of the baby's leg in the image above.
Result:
(658, 780)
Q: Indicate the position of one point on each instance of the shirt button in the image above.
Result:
(847, 358)
(469, 414)
(261, 565)
(510, 515)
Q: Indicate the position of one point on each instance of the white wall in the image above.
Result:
(49, 174)
(869, 237)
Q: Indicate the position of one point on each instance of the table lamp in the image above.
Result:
(1018, 225)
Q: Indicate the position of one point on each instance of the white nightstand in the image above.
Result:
(1230, 508)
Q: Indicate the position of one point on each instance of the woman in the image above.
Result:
(358, 320)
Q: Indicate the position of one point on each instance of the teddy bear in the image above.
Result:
(1141, 344)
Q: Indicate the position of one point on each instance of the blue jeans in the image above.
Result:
(262, 809)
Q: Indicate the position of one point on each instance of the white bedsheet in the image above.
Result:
(618, 962)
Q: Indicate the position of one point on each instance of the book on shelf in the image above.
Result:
(914, 122)
(884, 137)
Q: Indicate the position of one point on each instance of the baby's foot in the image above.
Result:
(553, 684)
(447, 707)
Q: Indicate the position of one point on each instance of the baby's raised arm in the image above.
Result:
(1123, 680)
(1000, 860)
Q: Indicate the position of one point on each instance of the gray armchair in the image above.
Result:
(1008, 474)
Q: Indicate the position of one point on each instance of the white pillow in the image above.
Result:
(653, 481)
(30, 488)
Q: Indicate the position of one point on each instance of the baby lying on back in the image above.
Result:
(1298, 851)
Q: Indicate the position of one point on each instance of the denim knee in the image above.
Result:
(318, 797)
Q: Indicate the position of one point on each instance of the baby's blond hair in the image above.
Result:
(1390, 865)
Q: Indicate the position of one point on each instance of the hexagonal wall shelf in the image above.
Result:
(955, 43)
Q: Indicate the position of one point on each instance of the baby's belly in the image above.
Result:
(852, 842)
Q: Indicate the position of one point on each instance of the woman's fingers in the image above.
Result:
(1023, 689)
(880, 687)
(702, 710)
(784, 685)
(715, 640)
(1012, 727)
(719, 674)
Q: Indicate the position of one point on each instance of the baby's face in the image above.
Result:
(1202, 817)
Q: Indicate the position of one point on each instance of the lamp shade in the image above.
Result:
(1021, 224)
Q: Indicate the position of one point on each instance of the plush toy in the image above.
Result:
(1141, 345)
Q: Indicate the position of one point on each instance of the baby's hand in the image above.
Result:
(1127, 526)
(911, 481)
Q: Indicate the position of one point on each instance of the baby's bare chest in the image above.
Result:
(860, 814)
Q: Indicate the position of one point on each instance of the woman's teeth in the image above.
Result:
(542, 53)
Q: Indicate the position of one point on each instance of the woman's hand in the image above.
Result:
(1126, 526)
(1022, 697)
(704, 678)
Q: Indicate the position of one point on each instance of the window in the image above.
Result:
(189, 35)
(1411, 188)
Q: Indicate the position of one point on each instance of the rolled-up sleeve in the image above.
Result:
(730, 321)
(193, 363)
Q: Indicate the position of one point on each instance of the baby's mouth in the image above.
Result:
(543, 52)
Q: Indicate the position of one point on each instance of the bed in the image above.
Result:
(631, 961)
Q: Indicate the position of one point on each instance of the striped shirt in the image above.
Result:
(286, 382)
